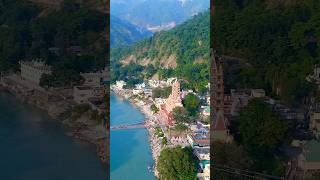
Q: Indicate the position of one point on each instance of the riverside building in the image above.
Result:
(174, 100)
(33, 70)
(92, 87)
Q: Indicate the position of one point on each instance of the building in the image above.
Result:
(179, 141)
(199, 139)
(258, 93)
(32, 71)
(220, 130)
(91, 88)
(82, 94)
(140, 86)
(309, 159)
(202, 153)
(174, 100)
(137, 91)
(205, 167)
(315, 123)
(120, 84)
(205, 110)
(315, 76)
(95, 78)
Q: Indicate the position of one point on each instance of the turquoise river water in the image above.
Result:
(130, 153)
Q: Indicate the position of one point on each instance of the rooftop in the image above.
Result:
(311, 151)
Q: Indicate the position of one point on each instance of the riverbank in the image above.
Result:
(150, 124)
(58, 108)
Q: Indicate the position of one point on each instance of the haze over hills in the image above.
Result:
(157, 15)
(124, 33)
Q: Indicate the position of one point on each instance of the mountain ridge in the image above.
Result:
(124, 33)
(183, 51)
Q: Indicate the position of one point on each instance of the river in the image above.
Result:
(130, 153)
(34, 147)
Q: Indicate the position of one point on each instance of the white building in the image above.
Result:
(202, 153)
(154, 83)
(315, 123)
(315, 76)
(140, 86)
(258, 93)
(120, 84)
(91, 88)
(137, 91)
(81, 94)
(33, 70)
(94, 78)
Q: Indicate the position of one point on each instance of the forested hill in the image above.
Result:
(278, 39)
(71, 39)
(182, 51)
(124, 33)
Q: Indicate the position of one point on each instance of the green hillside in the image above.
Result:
(28, 31)
(183, 51)
(279, 40)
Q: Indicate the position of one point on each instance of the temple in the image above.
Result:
(219, 127)
(174, 100)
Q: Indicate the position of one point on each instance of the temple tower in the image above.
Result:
(219, 124)
(175, 91)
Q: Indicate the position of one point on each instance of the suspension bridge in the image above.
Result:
(128, 126)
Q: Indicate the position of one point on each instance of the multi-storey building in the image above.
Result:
(32, 71)
(220, 130)
(174, 100)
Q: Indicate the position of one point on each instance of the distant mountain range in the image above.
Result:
(124, 33)
(156, 15)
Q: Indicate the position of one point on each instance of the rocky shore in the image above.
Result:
(150, 123)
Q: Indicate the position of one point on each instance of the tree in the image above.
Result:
(181, 115)
(161, 92)
(192, 103)
(177, 163)
(260, 127)
(154, 108)
(180, 127)
(164, 141)
(262, 131)
(229, 155)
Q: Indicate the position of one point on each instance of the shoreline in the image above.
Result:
(54, 112)
(154, 141)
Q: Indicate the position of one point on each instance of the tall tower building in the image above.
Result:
(219, 124)
(174, 100)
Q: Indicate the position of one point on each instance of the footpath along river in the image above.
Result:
(35, 147)
(130, 153)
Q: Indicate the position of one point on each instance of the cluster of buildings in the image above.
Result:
(92, 91)
(314, 77)
(198, 134)
(306, 157)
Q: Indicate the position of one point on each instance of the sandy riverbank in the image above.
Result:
(151, 123)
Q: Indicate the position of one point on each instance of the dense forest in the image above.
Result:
(279, 41)
(182, 51)
(70, 38)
